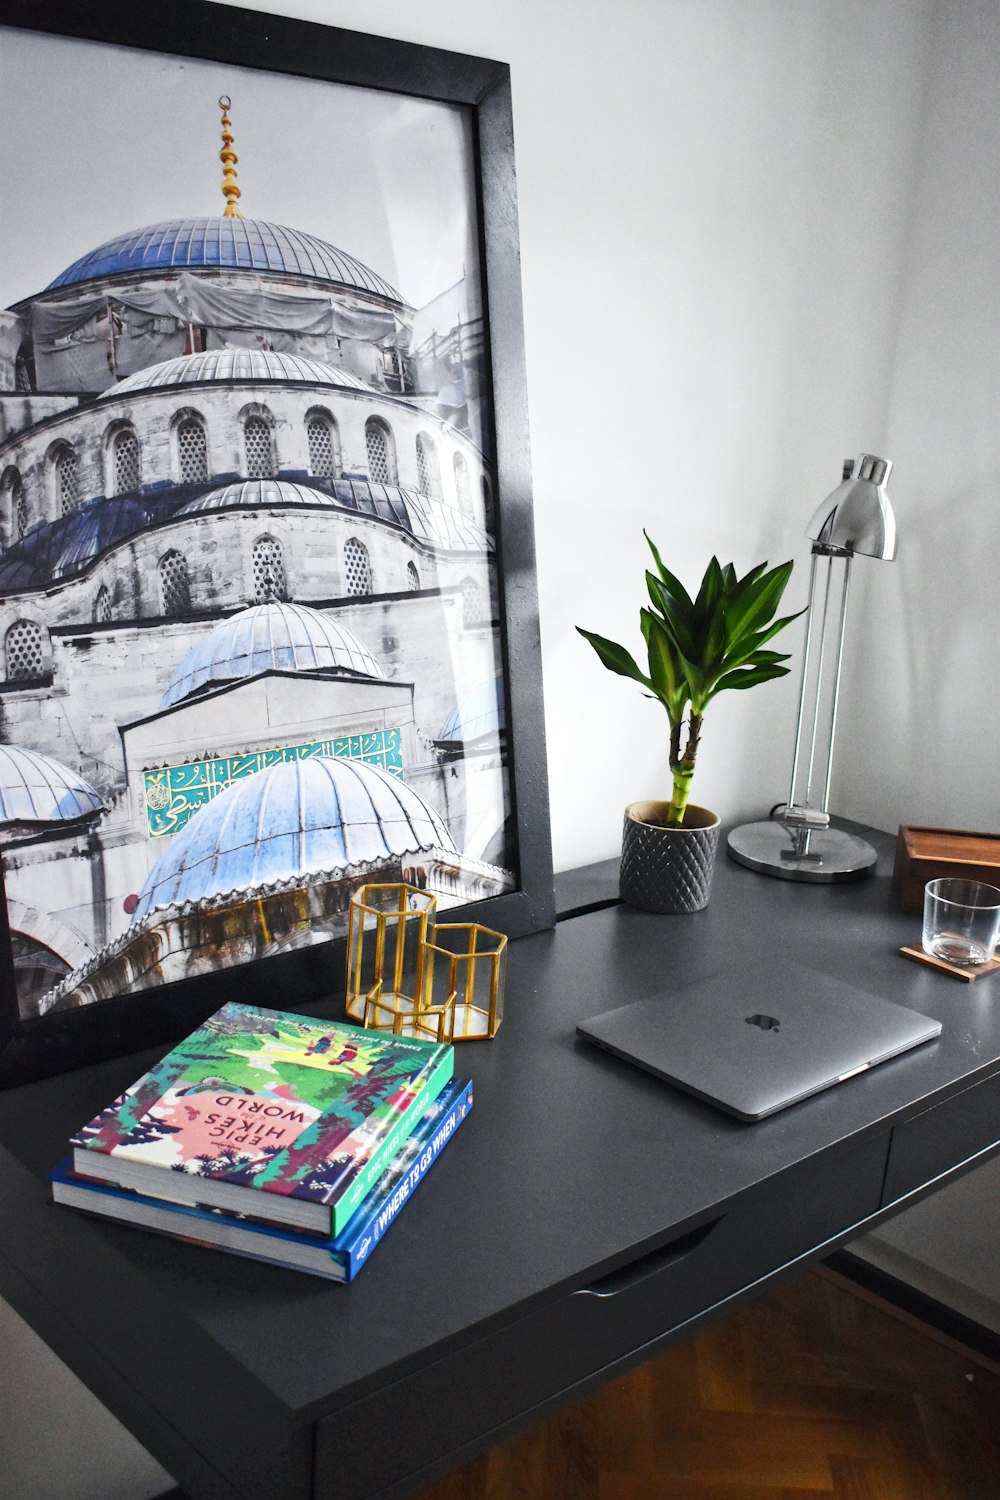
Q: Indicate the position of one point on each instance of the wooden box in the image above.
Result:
(924, 854)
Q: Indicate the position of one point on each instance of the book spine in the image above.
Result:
(380, 1158)
(368, 1226)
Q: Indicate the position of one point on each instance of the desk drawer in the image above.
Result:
(942, 1137)
(470, 1393)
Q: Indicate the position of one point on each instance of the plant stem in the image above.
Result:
(682, 767)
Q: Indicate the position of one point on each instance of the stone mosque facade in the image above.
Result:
(248, 605)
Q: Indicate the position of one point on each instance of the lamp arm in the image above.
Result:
(836, 681)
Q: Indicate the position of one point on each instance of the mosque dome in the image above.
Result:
(269, 637)
(68, 545)
(257, 494)
(427, 517)
(36, 789)
(224, 244)
(228, 365)
(288, 824)
(480, 713)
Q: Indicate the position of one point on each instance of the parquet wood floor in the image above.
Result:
(815, 1391)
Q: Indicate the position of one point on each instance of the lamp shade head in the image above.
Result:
(858, 515)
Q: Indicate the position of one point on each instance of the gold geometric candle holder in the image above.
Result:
(464, 973)
(412, 976)
(386, 932)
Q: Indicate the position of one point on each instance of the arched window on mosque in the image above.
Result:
(269, 581)
(462, 495)
(357, 568)
(24, 367)
(428, 468)
(412, 577)
(125, 462)
(13, 506)
(66, 480)
(381, 452)
(192, 450)
(23, 651)
(175, 584)
(102, 606)
(258, 443)
(324, 446)
(472, 602)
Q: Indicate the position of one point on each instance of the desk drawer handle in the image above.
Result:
(648, 1265)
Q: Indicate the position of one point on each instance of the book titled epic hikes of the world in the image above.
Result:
(339, 1258)
(258, 1101)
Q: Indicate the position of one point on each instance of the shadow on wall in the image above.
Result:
(923, 711)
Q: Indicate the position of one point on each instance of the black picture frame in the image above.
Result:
(71, 1038)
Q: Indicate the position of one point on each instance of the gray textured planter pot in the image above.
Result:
(667, 869)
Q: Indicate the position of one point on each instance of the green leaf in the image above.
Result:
(615, 657)
(745, 677)
(673, 585)
(677, 625)
(755, 601)
(709, 627)
(711, 591)
(767, 658)
(752, 576)
(666, 669)
(750, 645)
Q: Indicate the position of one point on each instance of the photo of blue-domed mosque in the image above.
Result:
(249, 640)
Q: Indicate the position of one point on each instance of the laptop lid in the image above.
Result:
(754, 1040)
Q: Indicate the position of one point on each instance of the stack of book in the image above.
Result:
(286, 1139)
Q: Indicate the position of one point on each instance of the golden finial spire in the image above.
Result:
(228, 158)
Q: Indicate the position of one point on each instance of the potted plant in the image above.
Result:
(696, 649)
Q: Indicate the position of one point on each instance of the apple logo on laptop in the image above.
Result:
(766, 1023)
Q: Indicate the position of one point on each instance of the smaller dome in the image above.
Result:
(480, 713)
(257, 493)
(36, 789)
(226, 365)
(426, 517)
(290, 823)
(265, 638)
(68, 545)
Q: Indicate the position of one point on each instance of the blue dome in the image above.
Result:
(480, 713)
(35, 789)
(289, 824)
(224, 244)
(256, 493)
(68, 545)
(269, 637)
(428, 518)
(235, 364)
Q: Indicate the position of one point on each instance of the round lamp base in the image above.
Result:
(832, 854)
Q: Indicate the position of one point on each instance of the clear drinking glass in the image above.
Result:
(961, 920)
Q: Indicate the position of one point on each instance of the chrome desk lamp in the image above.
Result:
(799, 844)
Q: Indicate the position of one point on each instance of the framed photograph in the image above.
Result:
(268, 615)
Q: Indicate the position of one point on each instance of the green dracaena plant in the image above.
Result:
(699, 647)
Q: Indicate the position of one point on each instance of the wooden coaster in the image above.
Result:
(968, 972)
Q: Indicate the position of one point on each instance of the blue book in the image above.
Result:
(339, 1258)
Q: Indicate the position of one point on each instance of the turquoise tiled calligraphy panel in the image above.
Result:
(174, 793)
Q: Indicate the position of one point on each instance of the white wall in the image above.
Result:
(714, 205)
(692, 178)
(755, 239)
(932, 686)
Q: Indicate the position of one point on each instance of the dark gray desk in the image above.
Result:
(586, 1216)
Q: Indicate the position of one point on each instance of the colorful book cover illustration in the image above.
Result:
(339, 1258)
(308, 1111)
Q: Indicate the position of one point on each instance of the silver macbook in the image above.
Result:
(754, 1040)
